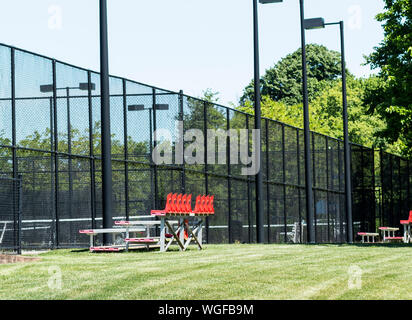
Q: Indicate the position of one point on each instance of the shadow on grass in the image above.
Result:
(79, 250)
(358, 244)
(131, 250)
(382, 245)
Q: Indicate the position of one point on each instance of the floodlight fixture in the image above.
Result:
(141, 107)
(314, 23)
(46, 88)
(162, 107)
(86, 86)
(136, 107)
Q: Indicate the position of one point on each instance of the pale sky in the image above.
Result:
(186, 44)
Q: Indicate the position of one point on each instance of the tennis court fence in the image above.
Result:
(50, 135)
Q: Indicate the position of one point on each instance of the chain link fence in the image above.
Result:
(50, 134)
(10, 214)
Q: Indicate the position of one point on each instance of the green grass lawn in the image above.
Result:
(218, 272)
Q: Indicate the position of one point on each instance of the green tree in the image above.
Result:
(391, 97)
(194, 112)
(325, 112)
(283, 82)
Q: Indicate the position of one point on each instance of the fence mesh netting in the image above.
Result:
(50, 134)
(10, 214)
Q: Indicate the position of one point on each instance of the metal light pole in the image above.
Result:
(258, 177)
(318, 23)
(348, 173)
(258, 116)
(308, 166)
(107, 182)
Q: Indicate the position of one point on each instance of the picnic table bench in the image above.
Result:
(126, 227)
(94, 232)
(367, 235)
(389, 234)
(148, 240)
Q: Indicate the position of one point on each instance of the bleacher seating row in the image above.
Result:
(181, 204)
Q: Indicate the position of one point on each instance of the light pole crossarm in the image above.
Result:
(332, 23)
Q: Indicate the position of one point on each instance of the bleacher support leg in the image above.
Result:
(162, 235)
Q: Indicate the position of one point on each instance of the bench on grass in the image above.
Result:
(94, 232)
(368, 235)
(148, 240)
(106, 249)
(389, 234)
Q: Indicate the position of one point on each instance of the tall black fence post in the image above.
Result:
(13, 112)
(107, 183)
(308, 166)
(155, 173)
(267, 179)
(258, 177)
(284, 183)
(19, 212)
(348, 178)
(70, 163)
(56, 158)
(91, 153)
(181, 118)
(126, 150)
(229, 180)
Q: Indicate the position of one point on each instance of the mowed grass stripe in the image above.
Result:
(218, 272)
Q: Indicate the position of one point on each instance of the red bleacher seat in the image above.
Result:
(407, 221)
(211, 205)
(181, 204)
(393, 238)
(173, 203)
(168, 207)
(189, 204)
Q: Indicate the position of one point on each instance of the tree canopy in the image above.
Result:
(283, 82)
(326, 112)
(391, 95)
